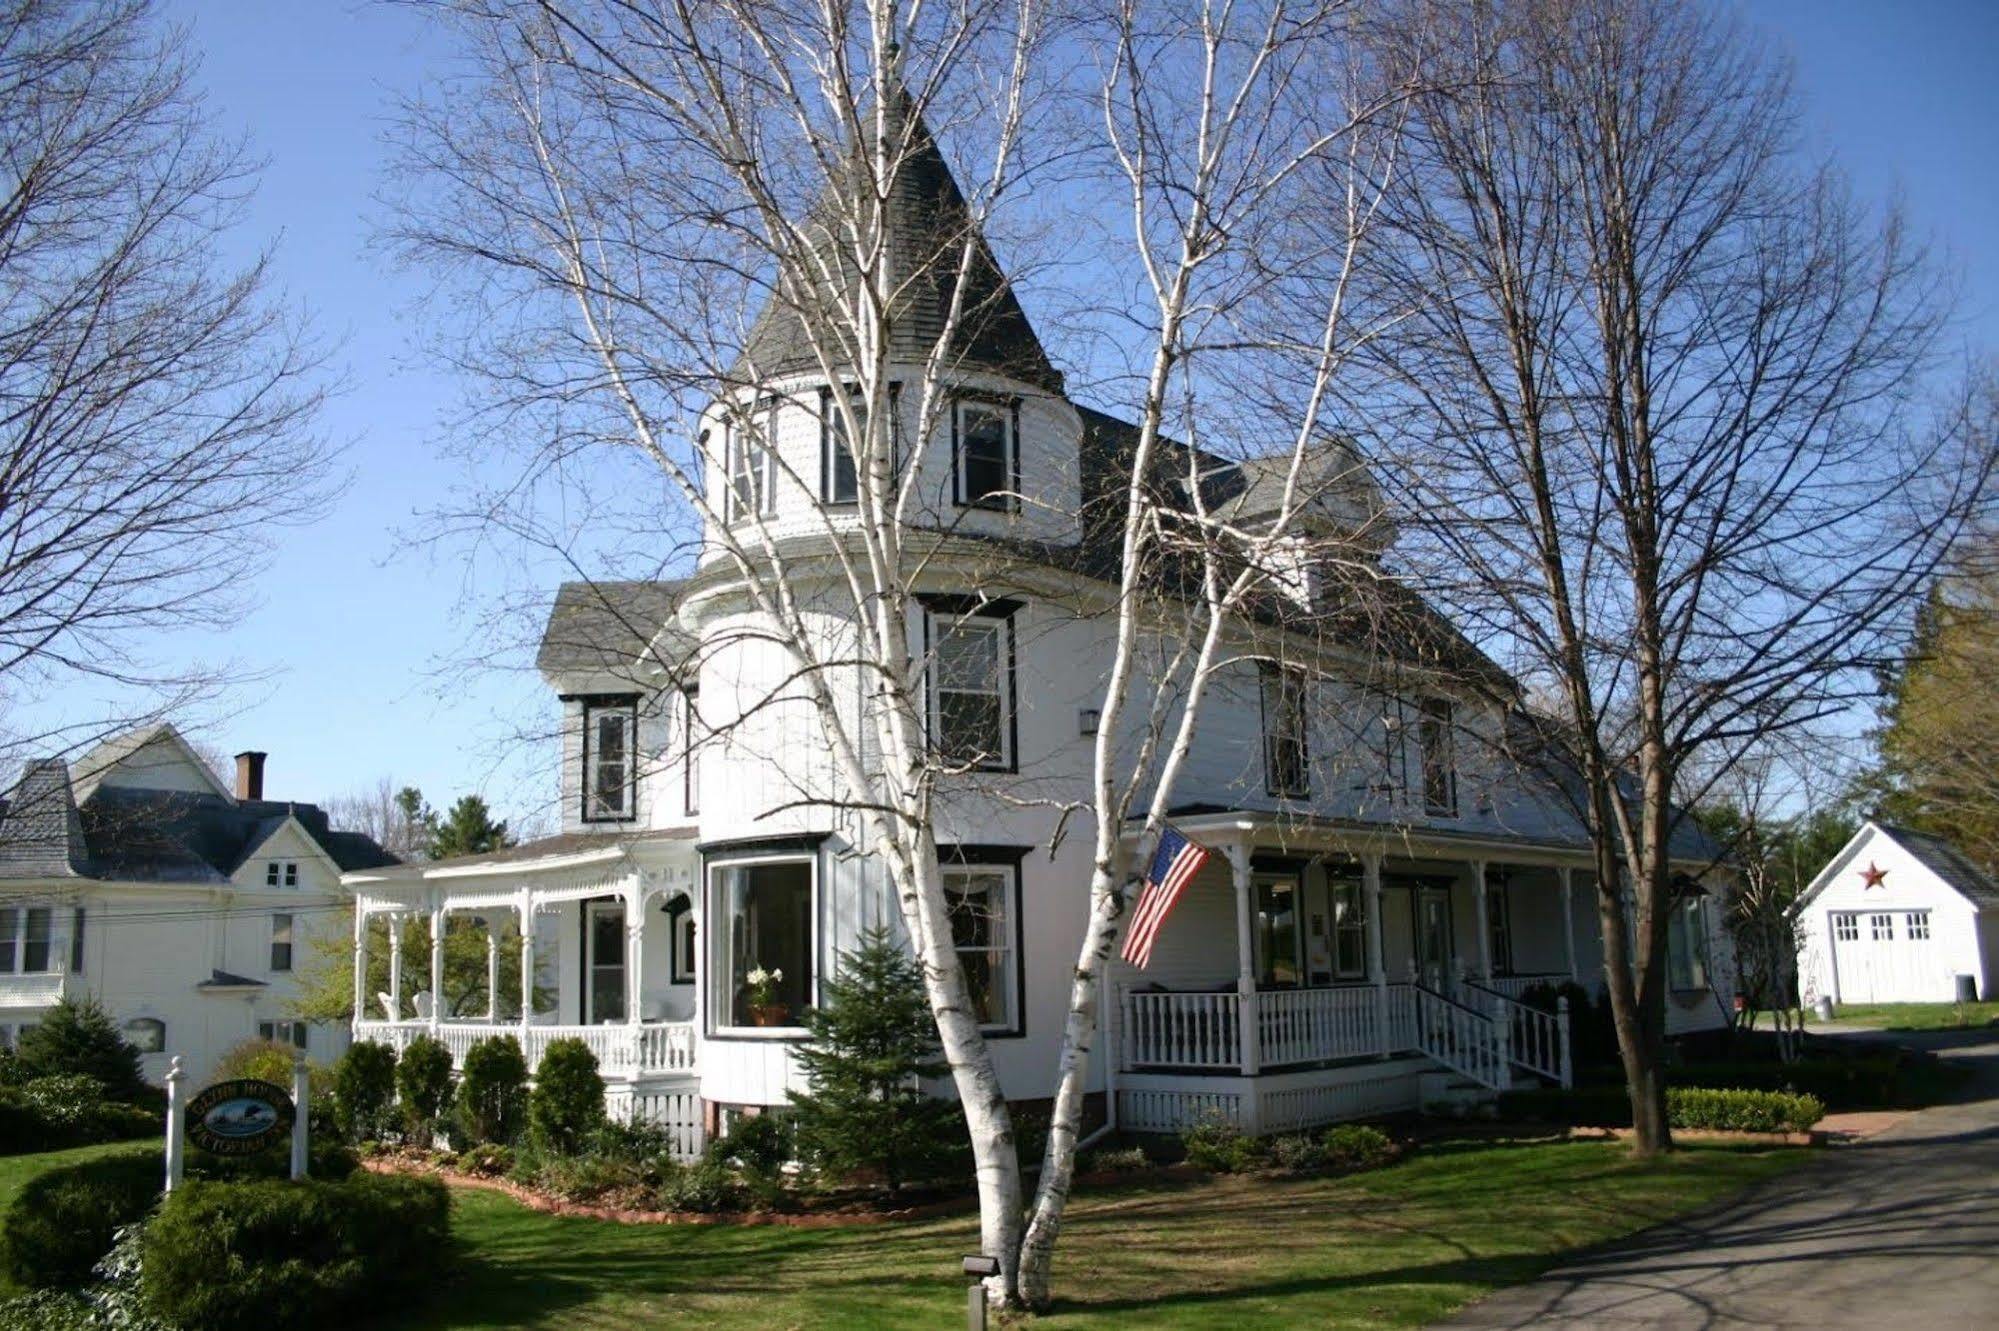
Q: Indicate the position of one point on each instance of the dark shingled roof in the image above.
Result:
(928, 227)
(1948, 863)
(608, 626)
(128, 834)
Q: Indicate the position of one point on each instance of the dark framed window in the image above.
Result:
(985, 930)
(985, 451)
(1277, 938)
(604, 962)
(610, 741)
(1286, 754)
(837, 478)
(1349, 926)
(1686, 946)
(76, 920)
(971, 685)
(281, 942)
(281, 873)
(682, 943)
(294, 1033)
(690, 771)
(37, 938)
(764, 941)
(1499, 924)
(1438, 736)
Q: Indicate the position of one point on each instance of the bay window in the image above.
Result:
(765, 941)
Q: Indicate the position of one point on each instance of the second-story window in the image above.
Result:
(986, 453)
(26, 934)
(971, 686)
(610, 737)
(1286, 766)
(837, 483)
(690, 754)
(281, 942)
(752, 465)
(1437, 735)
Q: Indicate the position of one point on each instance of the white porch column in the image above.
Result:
(526, 909)
(1569, 920)
(396, 965)
(360, 963)
(492, 970)
(436, 963)
(1377, 969)
(1238, 853)
(1484, 925)
(635, 926)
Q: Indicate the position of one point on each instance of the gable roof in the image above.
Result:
(928, 226)
(1951, 866)
(163, 738)
(611, 627)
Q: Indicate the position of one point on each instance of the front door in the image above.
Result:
(603, 962)
(1432, 932)
(1277, 931)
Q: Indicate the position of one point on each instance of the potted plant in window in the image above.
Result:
(765, 1009)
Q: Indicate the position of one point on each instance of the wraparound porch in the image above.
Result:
(623, 1050)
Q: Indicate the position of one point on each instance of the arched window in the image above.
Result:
(148, 1035)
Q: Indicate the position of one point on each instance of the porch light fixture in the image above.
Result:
(1087, 721)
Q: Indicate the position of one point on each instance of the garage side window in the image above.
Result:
(1846, 927)
(1917, 925)
(1881, 928)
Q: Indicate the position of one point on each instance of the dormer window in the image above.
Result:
(610, 738)
(1286, 755)
(985, 448)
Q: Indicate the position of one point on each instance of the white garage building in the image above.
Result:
(1896, 917)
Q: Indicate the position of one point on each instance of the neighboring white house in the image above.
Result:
(187, 909)
(1381, 883)
(1896, 917)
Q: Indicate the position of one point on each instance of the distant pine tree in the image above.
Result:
(469, 829)
(873, 1038)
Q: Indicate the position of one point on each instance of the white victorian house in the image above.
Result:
(1896, 917)
(186, 908)
(1382, 885)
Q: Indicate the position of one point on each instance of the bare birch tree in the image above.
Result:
(1660, 437)
(154, 406)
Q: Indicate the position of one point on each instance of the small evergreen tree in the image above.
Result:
(76, 1037)
(567, 1103)
(873, 1039)
(469, 829)
(423, 1082)
(364, 1090)
(493, 1090)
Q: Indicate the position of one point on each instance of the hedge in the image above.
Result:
(1729, 1110)
(249, 1256)
(63, 1221)
(51, 1113)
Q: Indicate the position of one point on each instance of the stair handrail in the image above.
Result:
(1546, 1051)
(1477, 1049)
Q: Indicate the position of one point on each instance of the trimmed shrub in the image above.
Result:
(364, 1090)
(492, 1090)
(423, 1081)
(488, 1160)
(1351, 1146)
(567, 1103)
(1728, 1110)
(76, 1037)
(1220, 1147)
(1116, 1160)
(245, 1256)
(707, 1187)
(69, 1110)
(63, 1221)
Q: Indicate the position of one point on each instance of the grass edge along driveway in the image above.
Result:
(1910, 1016)
(1395, 1247)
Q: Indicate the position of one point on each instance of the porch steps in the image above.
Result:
(1443, 1089)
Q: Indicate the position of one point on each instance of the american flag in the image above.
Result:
(1174, 865)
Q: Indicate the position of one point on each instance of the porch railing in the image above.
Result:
(622, 1050)
(1512, 986)
(1203, 1031)
(1307, 1025)
(1463, 1039)
(1535, 1040)
(1177, 1030)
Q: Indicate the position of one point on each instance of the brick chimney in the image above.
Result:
(250, 775)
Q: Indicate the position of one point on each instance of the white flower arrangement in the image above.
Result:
(762, 985)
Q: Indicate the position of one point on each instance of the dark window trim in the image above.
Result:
(628, 704)
(290, 945)
(1009, 405)
(1003, 612)
(826, 497)
(583, 911)
(805, 846)
(1267, 671)
(675, 910)
(1009, 858)
(690, 784)
(1335, 883)
(76, 921)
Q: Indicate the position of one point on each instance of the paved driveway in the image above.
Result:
(1899, 1231)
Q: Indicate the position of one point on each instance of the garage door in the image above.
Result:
(1887, 956)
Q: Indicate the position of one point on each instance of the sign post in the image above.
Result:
(176, 1124)
(302, 1114)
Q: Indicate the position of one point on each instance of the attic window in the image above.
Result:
(986, 449)
(281, 873)
(610, 731)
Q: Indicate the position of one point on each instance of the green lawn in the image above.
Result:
(1397, 1247)
(1914, 1016)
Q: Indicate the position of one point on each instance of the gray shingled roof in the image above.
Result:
(1948, 863)
(928, 227)
(610, 626)
(128, 834)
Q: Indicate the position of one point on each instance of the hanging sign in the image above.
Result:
(239, 1117)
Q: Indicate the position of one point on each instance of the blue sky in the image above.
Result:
(363, 633)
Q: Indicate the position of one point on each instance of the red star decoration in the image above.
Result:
(1873, 877)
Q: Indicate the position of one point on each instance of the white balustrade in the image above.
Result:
(621, 1050)
(1309, 1025)
(1464, 1039)
(1401, 1017)
(1535, 1040)
(1182, 1030)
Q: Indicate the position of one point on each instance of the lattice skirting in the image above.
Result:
(677, 1112)
(1280, 1102)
